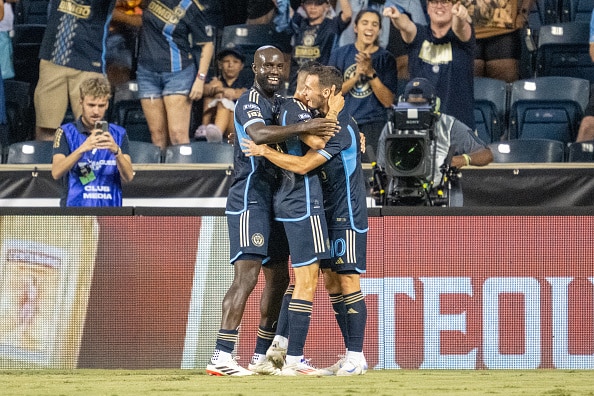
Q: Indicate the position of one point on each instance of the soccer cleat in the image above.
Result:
(353, 367)
(276, 355)
(230, 367)
(301, 368)
(332, 370)
(265, 367)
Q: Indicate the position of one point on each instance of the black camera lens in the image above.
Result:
(406, 155)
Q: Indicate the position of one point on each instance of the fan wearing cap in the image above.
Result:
(447, 131)
(315, 31)
(220, 94)
(443, 53)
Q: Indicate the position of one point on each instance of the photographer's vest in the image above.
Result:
(104, 188)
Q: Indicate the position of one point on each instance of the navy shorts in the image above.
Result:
(154, 85)
(349, 252)
(308, 240)
(254, 233)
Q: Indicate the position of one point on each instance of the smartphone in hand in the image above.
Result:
(102, 125)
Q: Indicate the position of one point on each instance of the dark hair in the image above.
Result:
(365, 11)
(328, 76)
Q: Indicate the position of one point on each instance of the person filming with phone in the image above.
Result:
(91, 155)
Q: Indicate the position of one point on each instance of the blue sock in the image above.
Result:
(299, 318)
(356, 320)
(226, 340)
(264, 339)
(282, 327)
(340, 313)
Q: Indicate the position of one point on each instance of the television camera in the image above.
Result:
(407, 177)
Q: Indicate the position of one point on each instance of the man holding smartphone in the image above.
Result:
(90, 155)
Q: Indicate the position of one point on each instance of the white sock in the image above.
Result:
(358, 356)
(220, 356)
(257, 358)
(283, 342)
(293, 359)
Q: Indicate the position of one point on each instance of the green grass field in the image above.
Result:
(376, 383)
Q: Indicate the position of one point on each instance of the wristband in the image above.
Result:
(201, 76)
(467, 158)
(118, 151)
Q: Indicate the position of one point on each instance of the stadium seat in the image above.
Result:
(30, 152)
(31, 11)
(199, 153)
(576, 10)
(581, 152)
(563, 50)
(144, 153)
(547, 107)
(248, 38)
(528, 150)
(19, 111)
(26, 43)
(128, 113)
(490, 108)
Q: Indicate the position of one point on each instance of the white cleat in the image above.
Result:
(230, 367)
(276, 355)
(353, 367)
(332, 370)
(265, 367)
(301, 368)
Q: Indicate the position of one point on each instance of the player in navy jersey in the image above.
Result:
(256, 241)
(343, 186)
(93, 161)
(72, 51)
(172, 68)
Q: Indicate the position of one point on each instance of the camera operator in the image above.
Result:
(452, 141)
(91, 155)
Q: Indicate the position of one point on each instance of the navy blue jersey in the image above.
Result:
(449, 64)
(76, 32)
(343, 182)
(298, 196)
(360, 101)
(255, 177)
(164, 37)
(106, 188)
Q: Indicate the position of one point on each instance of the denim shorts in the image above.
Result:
(158, 84)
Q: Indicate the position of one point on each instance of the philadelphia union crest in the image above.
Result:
(258, 239)
(360, 89)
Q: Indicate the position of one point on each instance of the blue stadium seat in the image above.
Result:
(19, 111)
(576, 10)
(547, 108)
(199, 153)
(563, 50)
(248, 38)
(31, 11)
(581, 152)
(30, 152)
(26, 43)
(144, 153)
(528, 150)
(490, 108)
(128, 113)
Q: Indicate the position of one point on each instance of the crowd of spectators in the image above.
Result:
(412, 40)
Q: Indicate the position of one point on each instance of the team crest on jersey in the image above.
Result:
(258, 239)
(360, 89)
